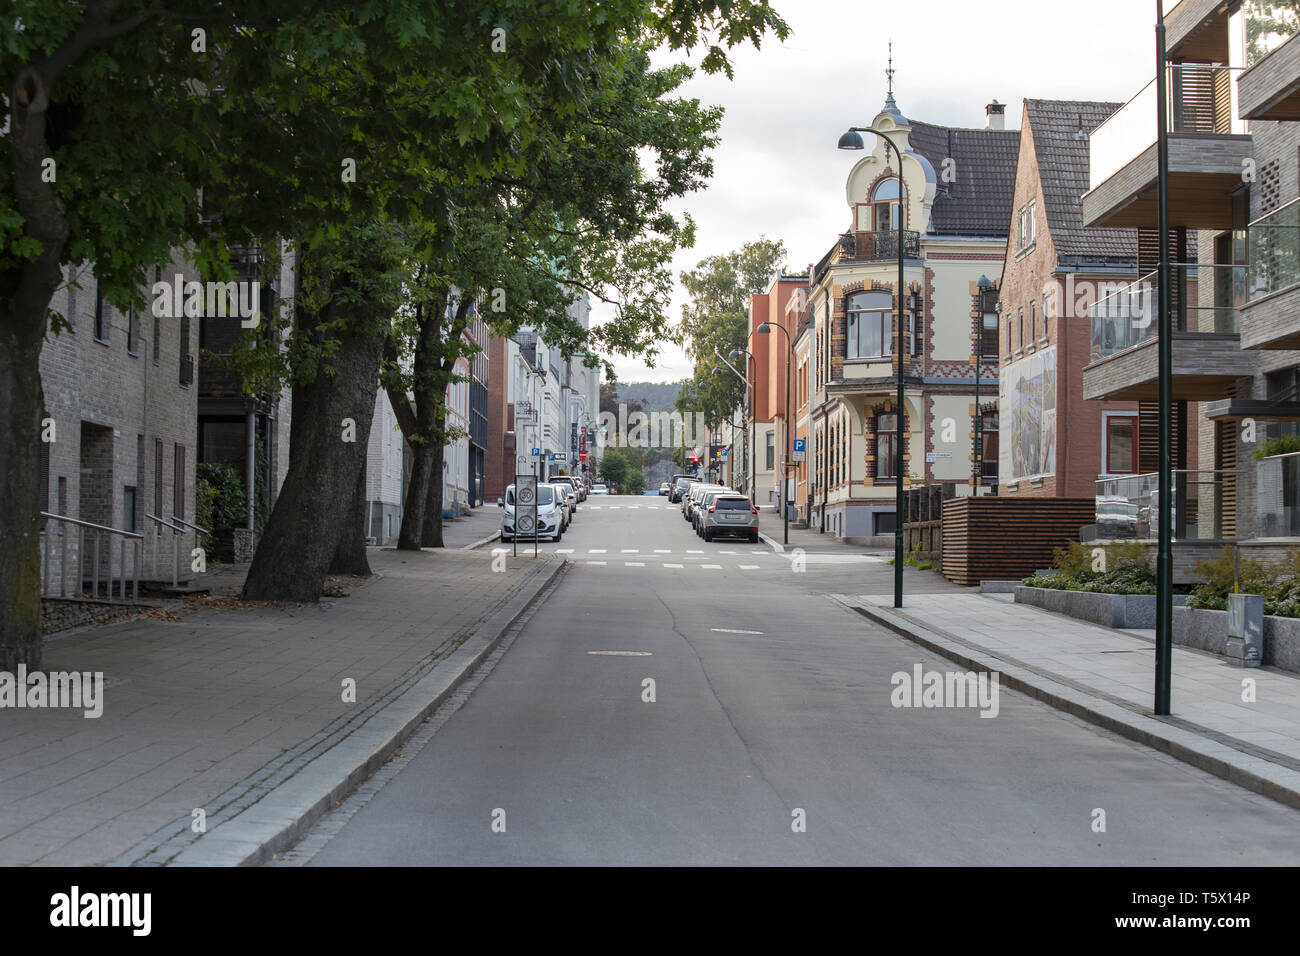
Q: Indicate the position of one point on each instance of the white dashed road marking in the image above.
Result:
(596, 551)
(672, 565)
(634, 564)
(712, 567)
(732, 630)
(596, 562)
(749, 567)
(622, 653)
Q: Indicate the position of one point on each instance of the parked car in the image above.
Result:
(729, 514)
(570, 492)
(663, 488)
(578, 485)
(516, 522)
(599, 489)
(705, 500)
(692, 499)
(568, 501)
(677, 484)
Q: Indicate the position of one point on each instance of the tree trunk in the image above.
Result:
(431, 527)
(417, 493)
(301, 536)
(25, 293)
(350, 554)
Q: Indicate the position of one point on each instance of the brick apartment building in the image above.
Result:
(1054, 274)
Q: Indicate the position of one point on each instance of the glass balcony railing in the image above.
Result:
(1277, 496)
(1203, 297)
(1273, 250)
(1205, 506)
(1201, 99)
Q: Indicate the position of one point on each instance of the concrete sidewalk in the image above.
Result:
(1106, 676)
(809, 539)
(239, 711)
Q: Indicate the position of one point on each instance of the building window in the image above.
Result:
(869, 324)
(771, 451)
(101, 319)
(187, 359)
(886, 445)
(989, 447)
(157, 323)
(1120, 453)
(1025, 226)
(1033, 323)
(1045, 315)
(1009, 330)
(1020, 329)
(178, 483)
(989, 338)
(132, 331)
(72, 299)
(128, 508)
(158, 477)
(914, 332)
(885, 206)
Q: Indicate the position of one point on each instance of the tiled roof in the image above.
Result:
(1063, 171)
(978, 202)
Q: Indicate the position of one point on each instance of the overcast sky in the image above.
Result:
(777, 171)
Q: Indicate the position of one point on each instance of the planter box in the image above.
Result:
(1108, 610)
(1208, 631)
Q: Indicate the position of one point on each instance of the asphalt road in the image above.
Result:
(772, 705)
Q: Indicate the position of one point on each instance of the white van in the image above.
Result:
(549, 516)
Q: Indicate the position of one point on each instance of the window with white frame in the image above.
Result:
(870, 324)
(1025, 226)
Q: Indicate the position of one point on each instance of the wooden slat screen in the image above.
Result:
(998, 539)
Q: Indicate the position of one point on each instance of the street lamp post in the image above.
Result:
(853, 140)
(765, 328)
(1164, 557)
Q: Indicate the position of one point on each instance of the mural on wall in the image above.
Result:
(1027, 408)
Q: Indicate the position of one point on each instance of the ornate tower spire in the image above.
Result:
(889, 78)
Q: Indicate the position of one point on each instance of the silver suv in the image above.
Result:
(692, 498)
(729, 514)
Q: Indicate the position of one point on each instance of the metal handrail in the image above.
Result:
(192, 527)
(177, 534)
(98, 530)
(165, 523)
(87, 524)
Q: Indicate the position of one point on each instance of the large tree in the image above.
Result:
(120, 113)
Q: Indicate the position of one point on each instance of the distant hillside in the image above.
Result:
(652, 394)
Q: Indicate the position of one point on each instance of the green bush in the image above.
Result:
(1277, 445)
(1125, 568)
(222, 500)
(1279, 583)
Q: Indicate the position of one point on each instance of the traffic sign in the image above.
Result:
(800, 449)
(560, 456)
(537, 453)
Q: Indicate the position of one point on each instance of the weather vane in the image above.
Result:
(889, 71)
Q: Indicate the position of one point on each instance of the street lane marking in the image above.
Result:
(596, 551)
(728, 552)
(597, 562)
(732, 630)
(663, 550)
(689, 551)
(749, 567)
(623, 653)
(672, 565)
(712, 567)
(634, 564)
(630, 551)
(564, 551)
(760, 552)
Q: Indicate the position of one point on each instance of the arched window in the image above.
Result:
(870, 324)
(885, 205)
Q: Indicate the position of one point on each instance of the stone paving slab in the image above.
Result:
(197, 705)
(1107, 675)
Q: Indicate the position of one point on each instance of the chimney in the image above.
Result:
(996, 113)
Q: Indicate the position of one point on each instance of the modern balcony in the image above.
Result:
(1205, 302)
(1206, 506)
(1270, 90)
(1270, 318)
(1207, 146)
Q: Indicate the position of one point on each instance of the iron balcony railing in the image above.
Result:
(1273, 250)
(876, 246)
(1199, 100)
(1204, 297)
